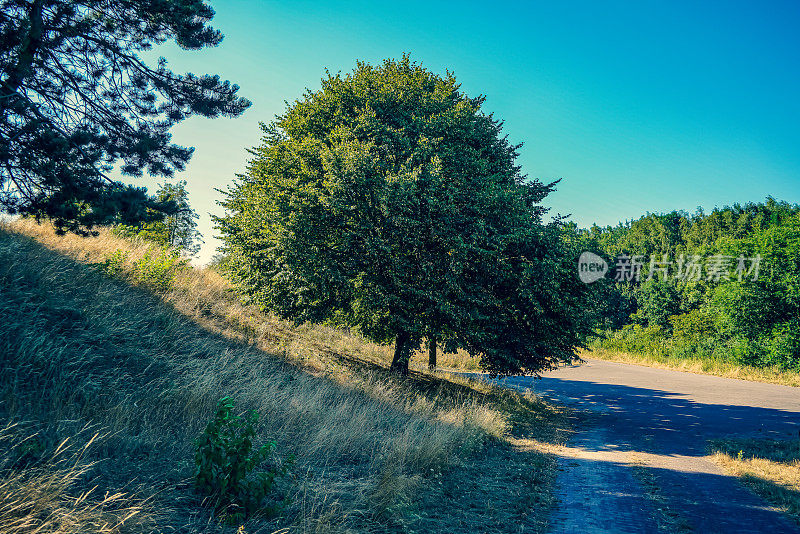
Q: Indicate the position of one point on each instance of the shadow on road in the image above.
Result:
(671, 419)
(625, 426)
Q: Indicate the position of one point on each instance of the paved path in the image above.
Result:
(637, 464)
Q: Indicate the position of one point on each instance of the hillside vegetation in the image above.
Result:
(115, 353)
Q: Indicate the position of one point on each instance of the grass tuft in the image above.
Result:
(39, 490)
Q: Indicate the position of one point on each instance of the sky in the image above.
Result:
(636, 106)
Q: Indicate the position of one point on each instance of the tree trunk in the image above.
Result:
(402, 354)
(432, 353)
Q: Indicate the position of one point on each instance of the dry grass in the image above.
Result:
(373, 451)
(697, 366)
(770, 468)
(459, 361)
(38, 496)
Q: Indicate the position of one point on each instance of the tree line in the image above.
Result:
(750, 317)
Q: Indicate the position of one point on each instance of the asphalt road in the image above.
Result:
(638, 461)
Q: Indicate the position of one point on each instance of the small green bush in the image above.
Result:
(113, 264)
(225, 461)
(695, 326)
(157, 271)
(635, 338)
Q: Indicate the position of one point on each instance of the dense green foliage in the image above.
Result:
(225, 463)
(731, 317)
(155, 270)
(76, 100)
(388, 202)
(177, 229)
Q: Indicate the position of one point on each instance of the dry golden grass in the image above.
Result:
(39, 498)
(373, 452)
(770, 468)
(460, 361)
(697, 366)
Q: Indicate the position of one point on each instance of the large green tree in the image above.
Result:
(387, 201)
(76, 99)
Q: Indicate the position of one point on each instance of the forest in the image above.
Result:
(741, 302)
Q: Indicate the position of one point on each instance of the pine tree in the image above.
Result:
(76, 100)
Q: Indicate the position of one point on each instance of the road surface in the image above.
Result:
(638, 461)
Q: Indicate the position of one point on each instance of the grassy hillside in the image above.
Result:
(113, 359)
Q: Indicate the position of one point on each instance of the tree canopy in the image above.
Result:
(387, 201)
(76, 99)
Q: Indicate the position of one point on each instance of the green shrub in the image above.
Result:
(225, 461)
(693, 335)
(742, 351)
(743, 310)
(113, 264)
(635, 338)
(656, 300)
(695, 326)
(157, 271)
(783, 346)
(154, 232)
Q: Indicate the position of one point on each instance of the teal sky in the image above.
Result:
(637, 106)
